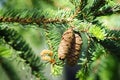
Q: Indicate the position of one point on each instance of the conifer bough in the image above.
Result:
(14, 39)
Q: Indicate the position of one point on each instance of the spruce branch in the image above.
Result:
(32, 20)
(53, 34)
(18, 43)
(34, 16)
(112, 46)
(5, 51)
(53, 37)
(79, 3)
(97, 4)
(9, 69)
(103, 68)
(108, 11)
(9, 59)
(83, 4)
(109, 39)
(112, 42)
(113, 35)
(14, 66)
(79, 6)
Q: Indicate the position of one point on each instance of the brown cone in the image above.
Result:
(73, 56)
(69, 47)
(65, 44)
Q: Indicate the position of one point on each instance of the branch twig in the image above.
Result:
(34, 20)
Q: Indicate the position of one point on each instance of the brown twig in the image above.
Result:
(77, 11)
(33, 20)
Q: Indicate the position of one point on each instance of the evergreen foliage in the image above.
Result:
(100, 51)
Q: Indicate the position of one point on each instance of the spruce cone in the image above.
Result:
(65, 44)
(73, 56)
(69, 47)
